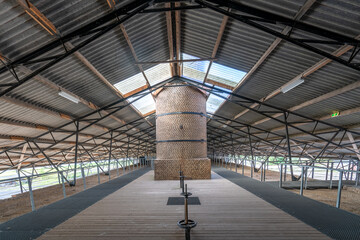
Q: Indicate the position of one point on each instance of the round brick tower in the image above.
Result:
(181, 133)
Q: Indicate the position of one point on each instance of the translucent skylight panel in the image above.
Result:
(145, 104)
(226, 75)
(194, 70)
(131, 83)
(214, 101)
(159, 73)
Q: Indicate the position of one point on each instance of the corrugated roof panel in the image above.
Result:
(69, 15)
(111, 56)
(199, 30)
(334, 15)
(148, 35)
(41, 95)
(20, 34)
(77, 78)
(16, 112)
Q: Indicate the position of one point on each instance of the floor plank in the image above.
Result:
(139, 211)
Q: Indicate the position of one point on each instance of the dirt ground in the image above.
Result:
(350, 197)
(20, 204)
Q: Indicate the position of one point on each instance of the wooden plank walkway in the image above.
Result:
(139, 211)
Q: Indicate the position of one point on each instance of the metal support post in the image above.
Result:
(331, 175)
(288, 146)
(280, 182)
(124, 167)
(302, 181)
(252, 154)
(327, 170)
(98, 174)
(20, 182)
(264, 177)
(83, 176)
(306, 177)
(111, 141)
(357, 174)
(243, 167)
(338, 198)
(117, 168)
(76, 151)
(31, 194)
(63, 185)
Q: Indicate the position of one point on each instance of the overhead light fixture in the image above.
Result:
(69, 97)
(292, 85)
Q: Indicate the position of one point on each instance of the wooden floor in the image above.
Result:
(139, 211)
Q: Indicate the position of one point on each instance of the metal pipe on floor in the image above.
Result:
(338, 198)
(31, 194)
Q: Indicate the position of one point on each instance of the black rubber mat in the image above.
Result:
(334, 222)
(180, 201)
(34, 224)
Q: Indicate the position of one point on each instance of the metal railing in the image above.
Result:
(131, 164)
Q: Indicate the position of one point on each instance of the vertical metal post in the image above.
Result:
(252, 154)
(20, 182)
(58, 176)
(285, 171)
(31, 194)
(111, 141)
(313, 172)
(327, 170)
(357, 174)
(127, 153)
(261, 174)
(243, 167)
(98, 174)
(264, 177)
(288, 147)
(83, 176)
(117, 168)
(338, 198)
(331, 175)
(280, 182)
(306, 176)
(302, 181)
(63, 185)
(76, 151)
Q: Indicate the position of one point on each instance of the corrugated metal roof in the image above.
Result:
(240, 48)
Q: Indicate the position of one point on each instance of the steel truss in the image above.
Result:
(224, 134)
(253, 140)
(106, 147)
